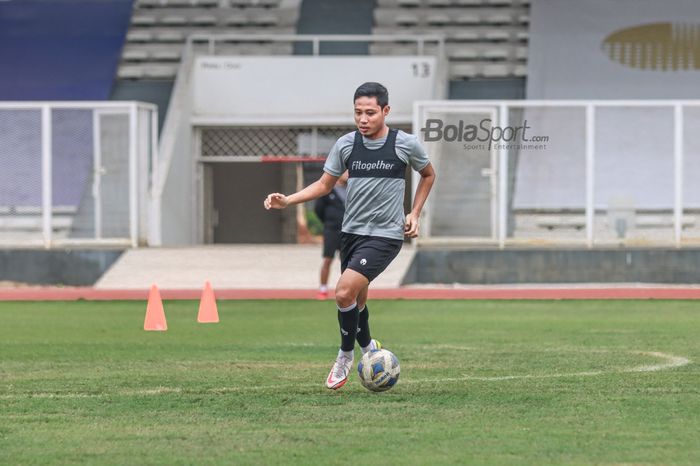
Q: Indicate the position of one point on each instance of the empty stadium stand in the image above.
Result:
(484, 38)
(159, 29)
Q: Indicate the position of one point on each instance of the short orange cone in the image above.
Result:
(155, 315)
(207, 306)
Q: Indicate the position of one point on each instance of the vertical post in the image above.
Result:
(316, 46)
(502, 181)
(154, 236)
(313, 149)
(301, 226)
(97, 172)
(46, 175)
(493, 180)
(133, 173)
(197, 203)
(590, 165)
(678, 172)
(154, 148)
(418, 118)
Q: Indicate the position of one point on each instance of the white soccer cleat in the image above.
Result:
(339, 373)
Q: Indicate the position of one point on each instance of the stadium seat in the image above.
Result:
(147, 3)
(388, 48)
(463, 53)
(247, 48)
(173, 20)
(499, 19)
(496, 54)
(496, 70)
(496, 35)
(170, 36)
(467, 20)
(462, 70)
(265, 20)
(139, 36)
(141, 20)
(204, 20)
(166, 55)
(464, 36)
(523, 36)
(438, 19)
(179, 3)
(207, 3)
(406, 19)
(255, 3)
(130, 72)
(159, 71)
(135, 55)
(438, 3)
(237, 20)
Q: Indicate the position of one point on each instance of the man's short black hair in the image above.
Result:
(372, 89)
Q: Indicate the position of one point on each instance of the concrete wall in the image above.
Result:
(555, 266)
(74, 267)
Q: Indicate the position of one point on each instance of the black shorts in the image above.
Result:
(368, 255)
(331, 241)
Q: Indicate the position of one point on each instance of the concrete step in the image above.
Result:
(234, 266)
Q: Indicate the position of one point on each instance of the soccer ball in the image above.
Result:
(379, 370)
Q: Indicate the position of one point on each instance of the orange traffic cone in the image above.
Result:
(155, 315)
(207, 306)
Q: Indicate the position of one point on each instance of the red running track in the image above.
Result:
(92, 294)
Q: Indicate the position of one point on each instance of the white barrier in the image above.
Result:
(76, 173)
(593, 173)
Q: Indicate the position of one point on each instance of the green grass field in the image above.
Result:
(482, 382)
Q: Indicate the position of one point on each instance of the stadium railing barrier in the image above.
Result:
(76, 173)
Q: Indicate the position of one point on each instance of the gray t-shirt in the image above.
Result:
(374, 206)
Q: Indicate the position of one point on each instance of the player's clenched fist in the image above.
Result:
(276, 201)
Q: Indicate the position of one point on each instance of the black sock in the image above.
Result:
(363, 336)
(348, 328)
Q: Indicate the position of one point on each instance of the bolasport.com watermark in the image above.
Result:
(484, 136)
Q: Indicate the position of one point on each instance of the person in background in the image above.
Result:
(330, 210)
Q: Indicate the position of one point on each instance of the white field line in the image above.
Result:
(669, 361)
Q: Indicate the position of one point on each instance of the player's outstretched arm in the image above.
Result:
(318, 188)
(427, 178)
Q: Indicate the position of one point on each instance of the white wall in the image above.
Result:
(314, 90)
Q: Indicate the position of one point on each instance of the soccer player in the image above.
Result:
(374, 226)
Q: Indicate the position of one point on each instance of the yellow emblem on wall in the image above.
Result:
(657, 46)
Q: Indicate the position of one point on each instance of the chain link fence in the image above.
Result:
(270, 141)
(75, 173)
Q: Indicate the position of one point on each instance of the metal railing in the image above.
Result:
(76, 173)
(597, 173)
